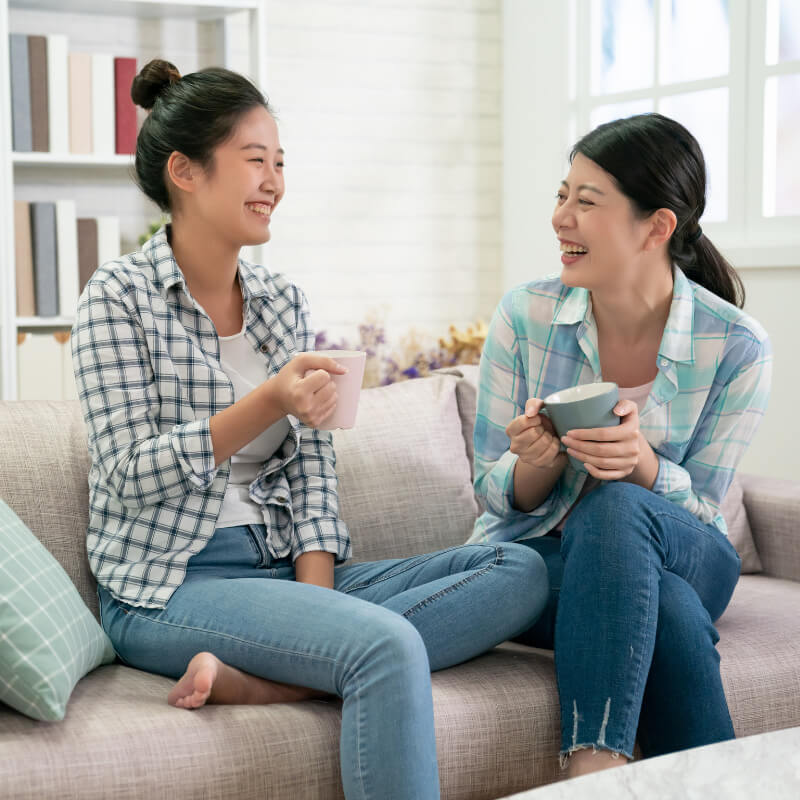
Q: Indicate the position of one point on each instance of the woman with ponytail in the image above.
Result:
(630, 527)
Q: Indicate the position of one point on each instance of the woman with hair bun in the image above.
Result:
(630, 527)
(214, 529)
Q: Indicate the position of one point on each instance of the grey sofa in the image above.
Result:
(405, 487)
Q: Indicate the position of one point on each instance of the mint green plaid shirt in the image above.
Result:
(711, 391)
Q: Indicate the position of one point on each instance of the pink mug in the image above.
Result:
(348, 387)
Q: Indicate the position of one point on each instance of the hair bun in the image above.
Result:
(152, 80)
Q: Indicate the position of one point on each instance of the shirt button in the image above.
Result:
(264, 348)
(664, 362)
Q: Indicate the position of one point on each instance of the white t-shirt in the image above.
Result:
(245, 367)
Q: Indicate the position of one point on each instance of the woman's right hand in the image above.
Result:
(533, 437)
(304, 388)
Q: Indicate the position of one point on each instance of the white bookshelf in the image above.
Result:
(21, 173)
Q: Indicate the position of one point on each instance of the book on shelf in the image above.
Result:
(23, 258)
(80, 103)
(87, 249)
(58, 93)
(124, 108)
(21, 131)
(44, 367)
(108, 239)
(103, 104)
(64, 102)
(45, 258)
(56, 253)
(40, 118)
(67, 247)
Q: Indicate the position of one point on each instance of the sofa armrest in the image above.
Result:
(773, 509)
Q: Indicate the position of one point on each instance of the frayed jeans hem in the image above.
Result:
(564, 755)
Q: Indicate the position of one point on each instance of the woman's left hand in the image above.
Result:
(613, 453)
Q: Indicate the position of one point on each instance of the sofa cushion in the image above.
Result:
(404, 477)
(44, 478)
(733, 508)
(759, 649)
(48, 638)
(497, 723)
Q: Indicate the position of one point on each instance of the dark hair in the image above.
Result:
(657, 163)
(192, 115)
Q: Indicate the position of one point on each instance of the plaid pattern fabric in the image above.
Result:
(146, 360)
(48, 638)
(711, 391)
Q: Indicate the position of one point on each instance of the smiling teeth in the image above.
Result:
(260, 208)
(573, 248)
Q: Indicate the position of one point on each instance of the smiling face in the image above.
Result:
(602, 241)
(238, 192)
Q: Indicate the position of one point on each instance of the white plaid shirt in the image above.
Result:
(146, 360)
(710, 394)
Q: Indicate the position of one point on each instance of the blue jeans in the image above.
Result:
(372, 641)
(636, 584)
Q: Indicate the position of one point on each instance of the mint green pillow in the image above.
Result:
(48, 637)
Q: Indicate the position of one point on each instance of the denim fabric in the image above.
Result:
(636, 584)
(372, 641)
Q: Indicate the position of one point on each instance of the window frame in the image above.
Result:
(747, 237)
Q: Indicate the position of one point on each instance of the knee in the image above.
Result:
(528, 570)
(390, 641)
(612, 508)
(616, 498)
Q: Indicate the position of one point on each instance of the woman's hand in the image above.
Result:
(533, 438)
(304, 389)
(619, 452)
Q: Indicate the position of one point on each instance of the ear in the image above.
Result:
(182, 172)
(662, 226)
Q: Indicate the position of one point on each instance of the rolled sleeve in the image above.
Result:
(326, 534)
(312, 477)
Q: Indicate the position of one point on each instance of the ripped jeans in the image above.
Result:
(636, 583)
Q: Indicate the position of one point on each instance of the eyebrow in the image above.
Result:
(584, 186)
(256, 146)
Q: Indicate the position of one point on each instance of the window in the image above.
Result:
(729, 70)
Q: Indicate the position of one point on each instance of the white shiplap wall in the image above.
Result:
(390, 116)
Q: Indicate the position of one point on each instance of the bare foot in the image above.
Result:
(209, 680)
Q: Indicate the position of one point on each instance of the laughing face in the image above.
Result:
(245, 182)
(601, 238)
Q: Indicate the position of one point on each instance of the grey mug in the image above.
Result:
(590, 405)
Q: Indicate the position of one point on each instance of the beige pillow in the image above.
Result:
(404, 476)
(739, 528)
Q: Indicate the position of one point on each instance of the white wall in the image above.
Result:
(536, 87)
(390, 114)
(772, 299)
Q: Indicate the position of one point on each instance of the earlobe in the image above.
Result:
(179, 169)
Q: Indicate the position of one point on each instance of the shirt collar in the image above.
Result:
(677, 343)
(159, 253)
